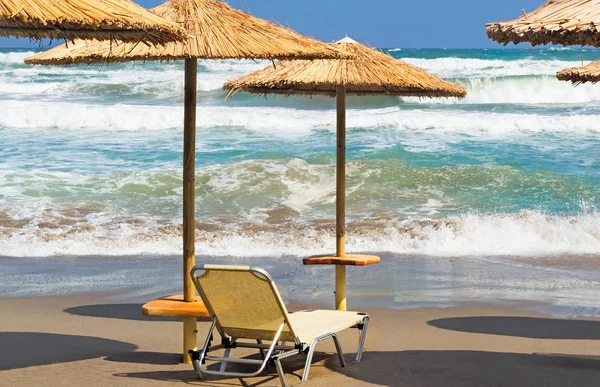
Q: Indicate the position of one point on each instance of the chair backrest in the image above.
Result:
(244, 300)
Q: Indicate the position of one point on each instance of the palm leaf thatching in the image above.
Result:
(566, 22)
(368, 72)
(583, 74)
(85, 19)
(215, 31)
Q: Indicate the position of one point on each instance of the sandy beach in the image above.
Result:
(79, 340)
(435, 321)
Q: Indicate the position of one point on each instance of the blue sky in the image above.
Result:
(381, 23)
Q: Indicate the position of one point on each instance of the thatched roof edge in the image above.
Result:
(580, 75)
(566, 22)
(308, 92)
(85, 19)
(214, 31)
(507, 34)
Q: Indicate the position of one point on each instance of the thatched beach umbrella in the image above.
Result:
(84, 19)
(578, 75)
(369, 72)
(566, 22)
(216, 31)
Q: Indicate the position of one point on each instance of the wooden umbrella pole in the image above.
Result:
(189, 221)
(340, 270)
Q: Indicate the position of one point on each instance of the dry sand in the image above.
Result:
(77, 342)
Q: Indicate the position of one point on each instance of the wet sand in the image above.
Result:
(549, 284)
(87, 340)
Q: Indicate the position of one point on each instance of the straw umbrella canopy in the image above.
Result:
(84, 19)
(368, 72)
(566, 22)
(215, 31)
(578, 75)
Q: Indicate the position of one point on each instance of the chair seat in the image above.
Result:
(310, 324)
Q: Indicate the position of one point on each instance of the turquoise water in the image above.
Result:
(90, 161)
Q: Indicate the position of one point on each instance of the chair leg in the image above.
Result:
(309, 356)
(224, 363)
(196, 365)
(340, 353)
(280, 372)
(361, 343)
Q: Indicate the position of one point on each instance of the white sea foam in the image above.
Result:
(161, 79)
(281, 122)
(525, 81)
(489, 68)
(527, 234)
(136, 213)
(168, 85)
(525, 90)
(44, 115)
(562, 48)
(233, 67)
(13, 57)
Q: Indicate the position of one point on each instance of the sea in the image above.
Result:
(91, 162)
(495, 196)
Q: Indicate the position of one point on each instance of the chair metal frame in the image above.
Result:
(274, 351)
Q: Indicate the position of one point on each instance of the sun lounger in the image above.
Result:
(248, 312)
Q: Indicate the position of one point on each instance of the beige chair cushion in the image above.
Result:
(310, 324)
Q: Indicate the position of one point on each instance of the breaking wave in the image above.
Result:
(286, 208)
(489, 68)
(526, 234)
(488, 81)
(282, 122)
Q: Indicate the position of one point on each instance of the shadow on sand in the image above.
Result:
(117, 311)
(293, 368)
(156, 358)
(26, 349)
(534, 328)
(472, 369)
